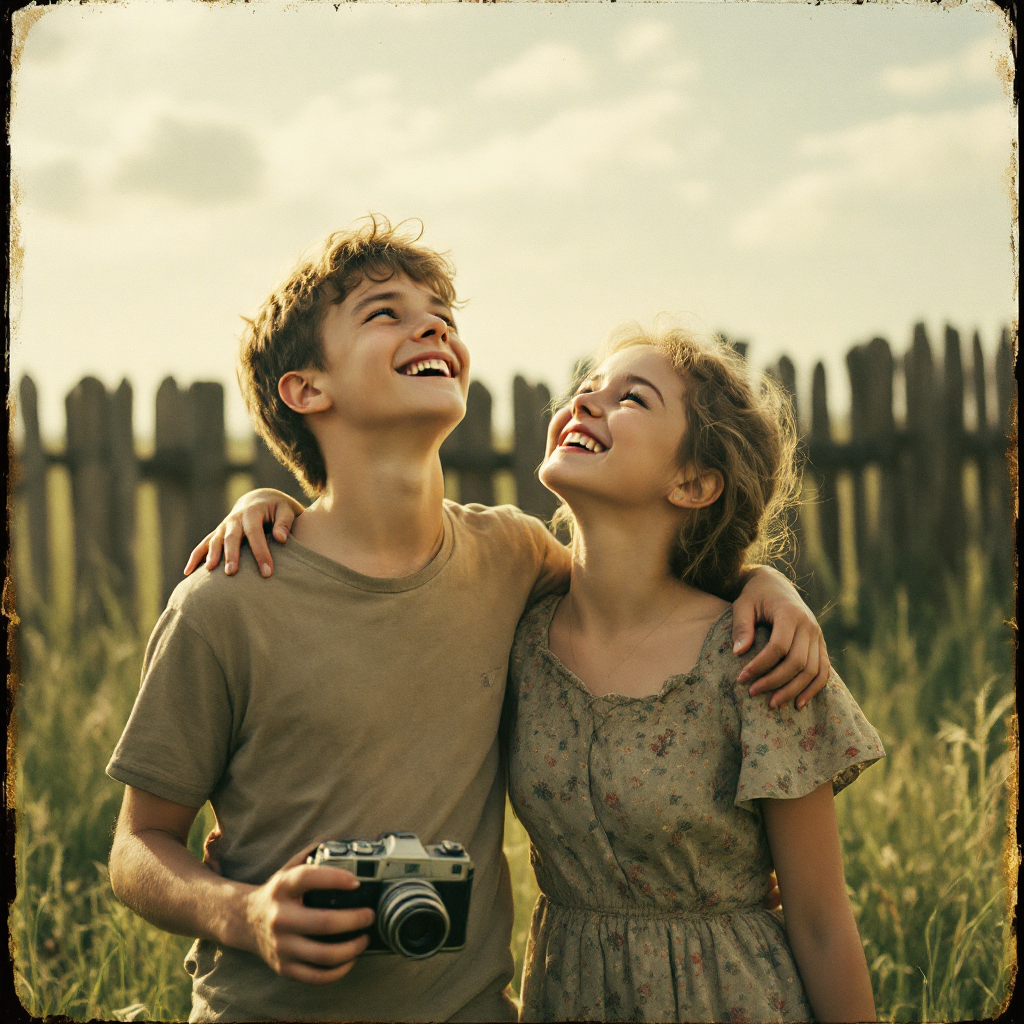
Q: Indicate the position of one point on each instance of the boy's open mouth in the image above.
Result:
(583, 442)
(427, 368)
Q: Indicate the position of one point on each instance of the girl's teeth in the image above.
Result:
(587, 442)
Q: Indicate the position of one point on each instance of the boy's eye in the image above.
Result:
(633, 396)
(385, 310)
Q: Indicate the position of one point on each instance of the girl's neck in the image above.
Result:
(620, 573)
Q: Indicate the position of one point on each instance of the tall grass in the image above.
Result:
(925, 832)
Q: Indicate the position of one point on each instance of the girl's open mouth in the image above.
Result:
(581, 442)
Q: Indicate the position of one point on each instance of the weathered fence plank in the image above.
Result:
(471, 445)
(268, 472)
(173, 434)
(124, 469)
(32, 467)
(88, 452)
(921, 469)
(826, 476)
(951, 532)
(531, 414)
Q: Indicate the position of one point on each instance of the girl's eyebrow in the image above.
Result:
(632, 378)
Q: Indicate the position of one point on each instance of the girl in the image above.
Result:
(656, 791)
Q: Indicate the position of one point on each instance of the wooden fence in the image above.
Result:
(924, 486)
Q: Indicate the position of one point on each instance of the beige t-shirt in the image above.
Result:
(324, 704)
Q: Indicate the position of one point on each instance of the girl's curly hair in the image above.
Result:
(744, 429)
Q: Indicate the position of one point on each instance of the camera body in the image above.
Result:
(419, 893)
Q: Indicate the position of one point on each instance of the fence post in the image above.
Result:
(268, 472)
(952, 524)
(984, 440)
(828, 493)
(886, 541)
(785, 373)
(124, 469)
(1004, 463)
(32, 470)
(531, 414)
(471, 447)
(922, 469)
(88, 447)
(208, 460)
(856, 366)
(173, 433)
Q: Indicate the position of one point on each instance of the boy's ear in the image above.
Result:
(299, 391)
(697, 490)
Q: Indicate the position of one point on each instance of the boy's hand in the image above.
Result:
(250, 512)
(283, 929)
(794, 661)
(773, 898)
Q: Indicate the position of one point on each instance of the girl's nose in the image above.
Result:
(588, 402)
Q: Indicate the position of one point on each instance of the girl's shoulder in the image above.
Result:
(718, 661)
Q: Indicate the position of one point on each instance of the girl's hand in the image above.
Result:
(794, 661)
(247, 517)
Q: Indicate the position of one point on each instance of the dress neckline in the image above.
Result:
(667, 686)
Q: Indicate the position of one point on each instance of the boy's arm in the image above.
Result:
(795, 660)
(153, 873)
(804, 840)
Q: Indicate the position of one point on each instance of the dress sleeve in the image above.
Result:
(788, 753)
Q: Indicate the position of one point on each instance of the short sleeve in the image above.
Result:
(555, 562)
(788, 753)
(177, 740)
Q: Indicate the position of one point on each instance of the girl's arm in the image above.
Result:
(804, 839)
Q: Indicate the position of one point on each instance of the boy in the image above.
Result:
(360, 690)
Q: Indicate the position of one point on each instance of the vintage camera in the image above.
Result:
(419, 893)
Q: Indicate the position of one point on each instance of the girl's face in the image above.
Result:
(618, 439)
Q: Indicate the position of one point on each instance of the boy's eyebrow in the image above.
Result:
(369, 300)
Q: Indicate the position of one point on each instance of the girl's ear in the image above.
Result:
(298, 390)
(697, 490)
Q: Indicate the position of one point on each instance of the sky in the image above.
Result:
(805, 177)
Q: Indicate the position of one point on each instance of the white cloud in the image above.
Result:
(543, 69)
(977, 63)
(643, 40)
(950, 152)
(558, 154)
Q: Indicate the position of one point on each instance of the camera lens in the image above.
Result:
(412, 919)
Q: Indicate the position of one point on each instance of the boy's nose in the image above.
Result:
(433, 327)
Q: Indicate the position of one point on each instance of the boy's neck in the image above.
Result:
(381, 511)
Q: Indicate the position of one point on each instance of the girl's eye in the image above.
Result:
(633, 396)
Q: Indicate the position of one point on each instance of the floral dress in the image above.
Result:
(647, 838)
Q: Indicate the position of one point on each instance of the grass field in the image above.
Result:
(925, 832)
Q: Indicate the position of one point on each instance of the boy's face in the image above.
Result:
(394, 357)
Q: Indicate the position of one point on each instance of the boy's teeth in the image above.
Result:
(583, 439)
(427, 364)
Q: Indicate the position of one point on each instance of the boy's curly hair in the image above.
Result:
(284, 335)
(747, 431)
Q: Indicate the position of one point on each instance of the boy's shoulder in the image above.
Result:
(506, 521)
(208, 596)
